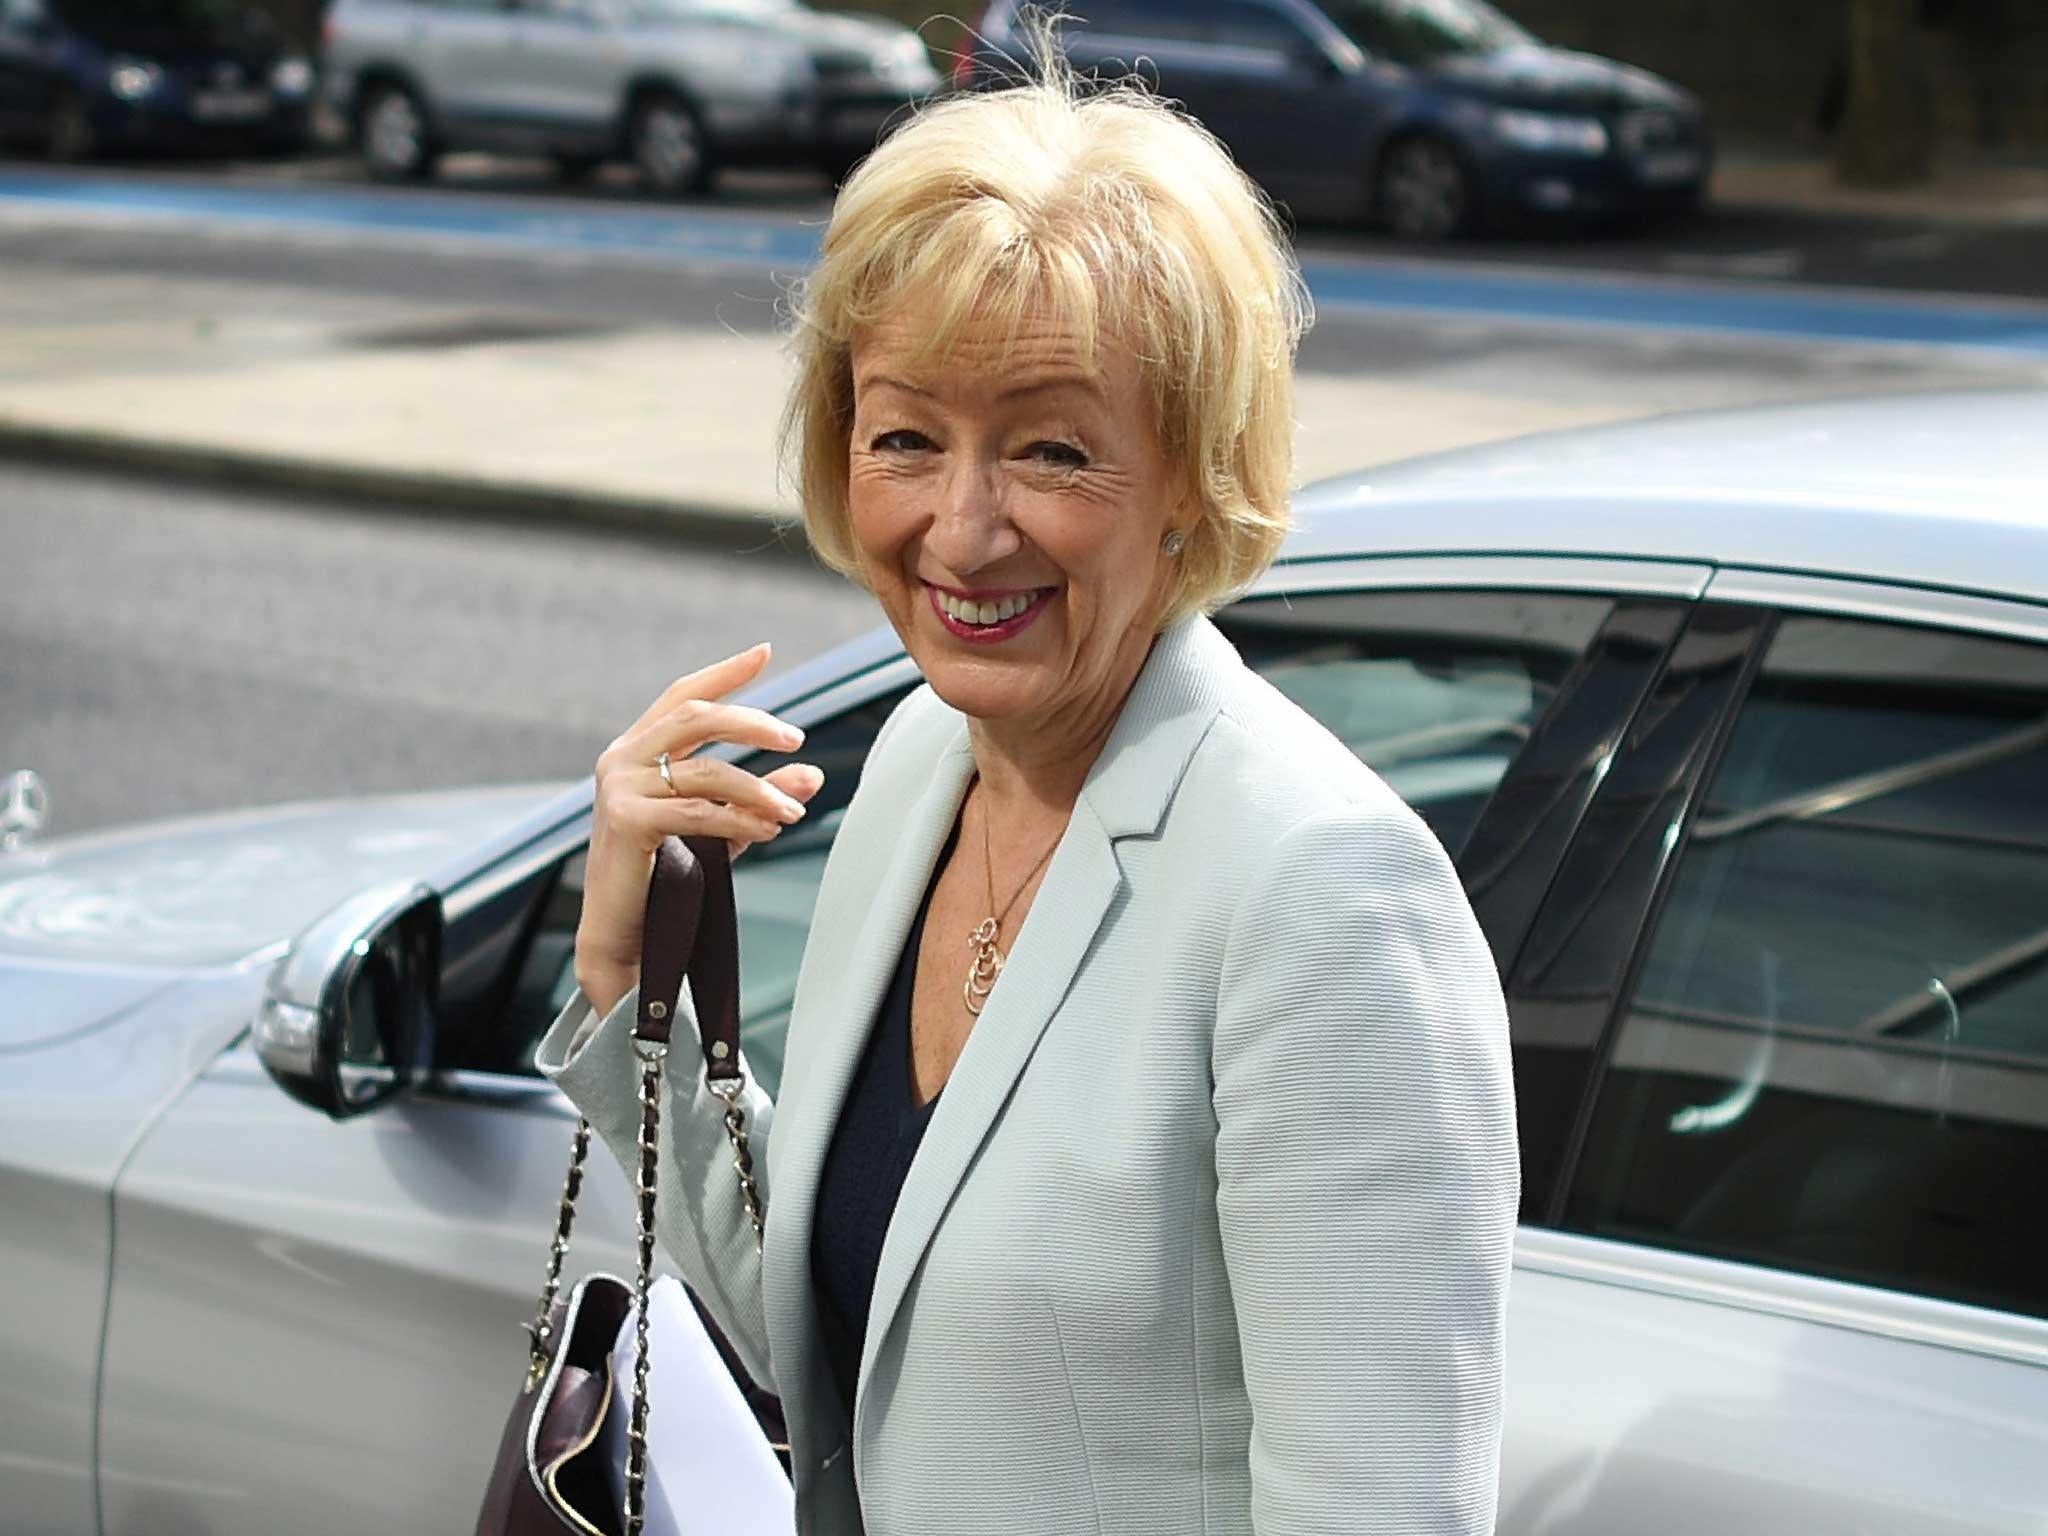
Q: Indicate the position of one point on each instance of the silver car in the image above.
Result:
(1737, 727)
(677, 87)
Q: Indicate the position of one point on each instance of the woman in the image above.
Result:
(1145, 1156)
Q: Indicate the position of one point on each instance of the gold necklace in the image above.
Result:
(987, 963)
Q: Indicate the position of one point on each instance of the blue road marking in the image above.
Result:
(766, 241)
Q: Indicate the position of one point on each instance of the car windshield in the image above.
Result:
(1418, 31)
(163, 22)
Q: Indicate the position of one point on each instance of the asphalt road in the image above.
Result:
(165, 651)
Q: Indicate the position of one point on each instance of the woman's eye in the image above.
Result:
(902, 440)
(1065, 455)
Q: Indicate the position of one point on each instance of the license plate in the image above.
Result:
(230, 106)
(1672, 165)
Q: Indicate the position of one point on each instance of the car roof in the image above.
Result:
(1945, 489)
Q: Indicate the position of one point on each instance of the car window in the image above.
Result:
(1417, 31)
(1835, 1059)
(1235, 23)
(1257, 26)
(1437, 691)
(1162, 20)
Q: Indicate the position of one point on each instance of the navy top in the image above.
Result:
(880, 1126)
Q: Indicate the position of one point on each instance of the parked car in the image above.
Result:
(1737, 728)
(80, 77)
(677, 87)
(1431, 116)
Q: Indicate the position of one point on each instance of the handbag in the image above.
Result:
(550, 1475)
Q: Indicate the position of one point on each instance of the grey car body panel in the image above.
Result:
(326, 1297)
(183, 919)
(1661, 1392)
(208, 890)
(1872, 488)
(301, 1285)
(70, 1115)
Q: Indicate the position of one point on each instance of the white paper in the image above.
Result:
(710, 1470)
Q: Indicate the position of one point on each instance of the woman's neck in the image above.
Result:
(1036, 766)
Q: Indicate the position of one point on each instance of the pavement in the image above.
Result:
(675, 425)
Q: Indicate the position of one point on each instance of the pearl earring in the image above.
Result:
(1174, 542)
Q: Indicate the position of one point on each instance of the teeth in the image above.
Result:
(985, 612)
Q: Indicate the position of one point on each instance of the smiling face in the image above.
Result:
(1008, 502)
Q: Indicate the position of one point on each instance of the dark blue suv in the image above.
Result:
(80, 76)
(1428, 115)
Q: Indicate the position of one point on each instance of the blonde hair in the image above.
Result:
(1120, 215)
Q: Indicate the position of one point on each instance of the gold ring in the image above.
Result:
(661, 762)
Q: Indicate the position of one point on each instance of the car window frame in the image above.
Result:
(804, 700)
(1903, 1315)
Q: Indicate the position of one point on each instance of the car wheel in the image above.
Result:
(669, 146)
(71, 136)
(1423, 191)
(393, 136)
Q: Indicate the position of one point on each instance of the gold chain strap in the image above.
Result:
(651, 1057)
(542, 1328)
(729, 1089)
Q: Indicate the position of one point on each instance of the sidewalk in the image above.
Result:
(1964, 190)
(675, 427)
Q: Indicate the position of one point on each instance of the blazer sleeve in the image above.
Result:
(700, 1219)
(1367, 1181)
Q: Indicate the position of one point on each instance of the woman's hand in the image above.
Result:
(635, 810)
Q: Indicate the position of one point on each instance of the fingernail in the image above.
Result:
(792, 810)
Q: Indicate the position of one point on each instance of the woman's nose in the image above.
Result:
(972, 528)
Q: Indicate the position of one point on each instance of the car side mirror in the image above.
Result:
(348, 1014)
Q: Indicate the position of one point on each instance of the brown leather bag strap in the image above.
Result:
(692, 929)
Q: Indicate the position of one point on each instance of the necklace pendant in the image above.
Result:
(984, 968)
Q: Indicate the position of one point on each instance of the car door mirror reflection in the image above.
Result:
(348, 1014)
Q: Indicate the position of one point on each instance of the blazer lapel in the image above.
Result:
(809, 1116)
(1127, 792)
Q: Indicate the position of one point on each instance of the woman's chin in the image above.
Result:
(985, 689)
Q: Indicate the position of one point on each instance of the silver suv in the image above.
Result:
(678, 87)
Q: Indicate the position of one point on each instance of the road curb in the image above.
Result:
(735, 529)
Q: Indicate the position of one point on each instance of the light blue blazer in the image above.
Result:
(1210, 1230)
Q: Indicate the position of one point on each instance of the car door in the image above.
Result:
(1255, 72)
(1277, 85)
(461, 53)
(297, 1300)
(565, 72)
(1783, 1019)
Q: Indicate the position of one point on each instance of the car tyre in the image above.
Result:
(71, 137)
(669, 146)
(1423, 191)
(393, 134)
